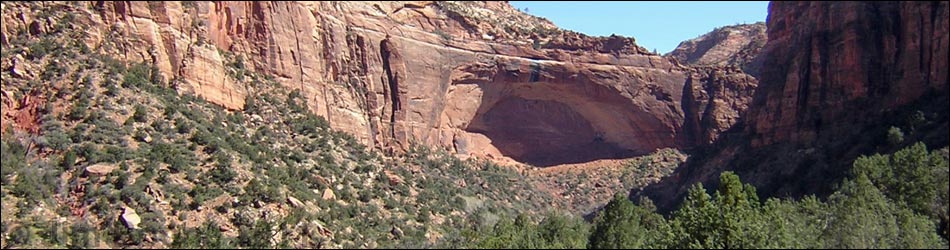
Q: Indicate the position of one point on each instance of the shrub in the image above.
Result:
(22, 235)
(205, 236)
(80, 235)
(177, 157)
(79, 109)
(13, 154)
(895, 136)
(259, 236)
(443, 35)
(223, 174)
(137, 76)
(43, 47)
(37, 183)
(140, 114)
(69, 159)
(201, 193)
(111, 88)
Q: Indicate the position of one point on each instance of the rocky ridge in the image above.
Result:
(737, 45)
(448, 74)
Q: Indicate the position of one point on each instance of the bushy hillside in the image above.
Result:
(104, 152)
(113, 141)
(104, 141)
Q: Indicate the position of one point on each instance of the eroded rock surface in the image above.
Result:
(835, 76)
(736, 45)
(479, 78)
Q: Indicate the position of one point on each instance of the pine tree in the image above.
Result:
(625, 225)
(731, 219)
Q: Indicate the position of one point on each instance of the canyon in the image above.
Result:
(480, 79)
(486, 81)
(409, 124)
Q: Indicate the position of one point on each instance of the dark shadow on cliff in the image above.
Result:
(789, 170)
(544, 133)
(547, 115)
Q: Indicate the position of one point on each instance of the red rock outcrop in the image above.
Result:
(736, 45)
(829, 65)
(479, 78)
(715, 98)
(835, 76)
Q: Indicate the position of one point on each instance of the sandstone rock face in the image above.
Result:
(835, 75)
(828, 65)
(714, 100)
(176, 39)
(737, 45)
(478, 78)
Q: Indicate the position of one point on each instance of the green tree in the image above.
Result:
(917, 231)
(625, 225)
(731, 219)
(895, 136)
(519, 233)
(794, 224)
(911, 177)
(560, 232)
(863, 218)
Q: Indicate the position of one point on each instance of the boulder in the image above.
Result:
(328, 194)
(130, 218)
(100, 169)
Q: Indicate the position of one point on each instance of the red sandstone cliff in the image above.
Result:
(829, 64)
(478, 78)
(736, 45)
(835, 75)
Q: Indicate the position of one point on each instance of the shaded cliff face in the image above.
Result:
(829, 65)
(737, 45)
(715, 98)
(479, 78)
(835, 76)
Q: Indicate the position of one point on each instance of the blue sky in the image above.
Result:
(655, 25)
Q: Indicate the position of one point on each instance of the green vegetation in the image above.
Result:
(895, 136)
(445, 36)
(274, 175)
(192, 168)
(892, 201)
(624, 225)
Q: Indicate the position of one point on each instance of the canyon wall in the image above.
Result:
(829, 64)
(834, 77)
(478, 78)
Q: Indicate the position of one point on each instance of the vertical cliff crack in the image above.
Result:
(189, 49)
(328, 59)
(804, 82)
(299, 62)
(293, 25)
(386, 50)
(361, 86)
(690, 114)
